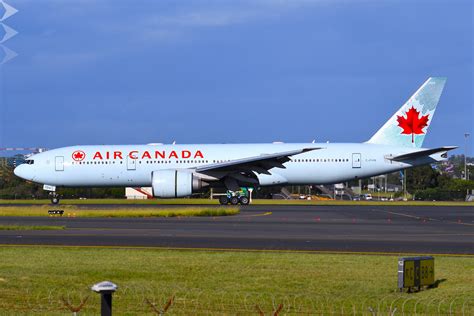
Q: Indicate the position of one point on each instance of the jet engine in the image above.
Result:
(175, 183)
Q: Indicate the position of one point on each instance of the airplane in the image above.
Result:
(174, 171)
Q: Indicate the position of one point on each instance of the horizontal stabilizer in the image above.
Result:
(421, 153)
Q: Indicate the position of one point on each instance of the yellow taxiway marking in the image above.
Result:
(371, 253)
(255, 215)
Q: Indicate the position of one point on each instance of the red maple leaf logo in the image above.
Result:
(412, 123)
(78, 155)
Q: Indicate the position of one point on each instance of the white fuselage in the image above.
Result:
(132, 165)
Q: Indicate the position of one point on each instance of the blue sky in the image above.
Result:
(101, 72)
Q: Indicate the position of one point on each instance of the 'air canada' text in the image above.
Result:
(135, 154)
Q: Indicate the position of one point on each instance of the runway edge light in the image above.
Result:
(414, 273)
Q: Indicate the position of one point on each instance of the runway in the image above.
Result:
(384, 229)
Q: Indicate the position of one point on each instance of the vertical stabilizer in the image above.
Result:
(409, 125)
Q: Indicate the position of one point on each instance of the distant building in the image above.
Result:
(139, 193)
(394, 188)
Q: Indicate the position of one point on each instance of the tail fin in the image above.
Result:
(409, 125)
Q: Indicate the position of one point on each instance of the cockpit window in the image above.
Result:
(29, 162)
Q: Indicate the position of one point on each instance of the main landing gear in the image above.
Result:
(54, 197)
(234, 198)
(242, 200)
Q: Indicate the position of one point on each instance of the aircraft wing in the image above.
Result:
(259, 164)
(421, 153)
(242, 170)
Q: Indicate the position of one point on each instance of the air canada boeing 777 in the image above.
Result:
(181, 170)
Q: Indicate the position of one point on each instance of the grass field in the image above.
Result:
(257, 202)
(77, 211)
(34, 279)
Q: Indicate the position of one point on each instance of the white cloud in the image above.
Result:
(180, 22)
(212, 18)
(222, 13)
(143, 22)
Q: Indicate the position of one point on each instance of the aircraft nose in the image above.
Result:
(19, 171)
(23, 172)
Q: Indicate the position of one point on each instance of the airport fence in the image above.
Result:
(133, 300)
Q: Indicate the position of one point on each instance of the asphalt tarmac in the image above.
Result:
(381, 229)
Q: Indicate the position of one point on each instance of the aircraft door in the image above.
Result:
(59, 163)
(131, 163)
(356, 160)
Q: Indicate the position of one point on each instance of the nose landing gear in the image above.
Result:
(54, 197)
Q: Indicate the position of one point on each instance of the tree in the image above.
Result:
(421, 178)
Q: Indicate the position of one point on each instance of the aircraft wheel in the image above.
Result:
(55, 200)
(244, 200)
(223, 200)
(234, 200)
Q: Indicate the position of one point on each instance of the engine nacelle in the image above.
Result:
(175, 183)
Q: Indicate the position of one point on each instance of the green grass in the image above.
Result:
(27, 227)
(33, 280)
(257, 202)
(76, 211)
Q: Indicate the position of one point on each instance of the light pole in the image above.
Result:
(466, 137)
(405, 185)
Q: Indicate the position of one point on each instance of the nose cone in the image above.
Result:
(23, 172)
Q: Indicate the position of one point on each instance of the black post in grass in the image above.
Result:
(105, 289)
